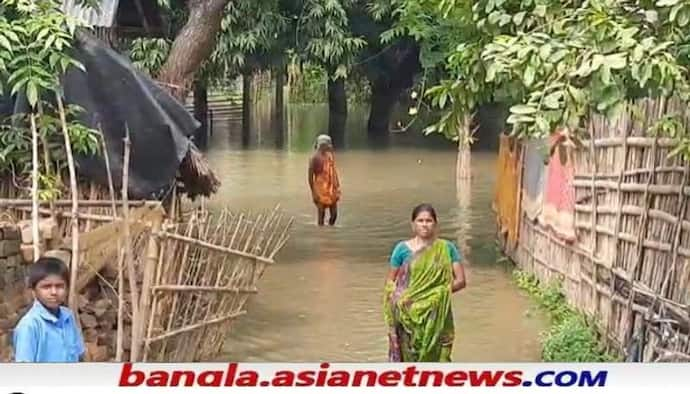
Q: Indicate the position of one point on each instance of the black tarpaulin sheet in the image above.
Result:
(115, 97)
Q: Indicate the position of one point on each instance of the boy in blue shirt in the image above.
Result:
(48, 332)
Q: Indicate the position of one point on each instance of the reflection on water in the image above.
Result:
(323, 299)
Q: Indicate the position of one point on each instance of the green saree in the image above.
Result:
(417, 307)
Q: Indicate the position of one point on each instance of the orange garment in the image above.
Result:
(326, 182)
(507, 197)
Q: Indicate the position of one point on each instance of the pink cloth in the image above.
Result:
(558, 213)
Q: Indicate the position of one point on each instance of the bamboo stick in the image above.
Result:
(210, 289)
(70, 215)
(153, 249)
(11, 203)
(119, 341)
(74, 269)
(637, 171)
(195, 327)
(217, 248)
(34, 187)
(129, 263)
(633, 187)
(638, 142)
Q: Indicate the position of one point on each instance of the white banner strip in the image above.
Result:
(112, 378)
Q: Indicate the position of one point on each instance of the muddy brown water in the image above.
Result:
(322, 301)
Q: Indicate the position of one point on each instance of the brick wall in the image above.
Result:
(14, 297)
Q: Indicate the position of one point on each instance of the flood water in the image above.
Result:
(322, 301)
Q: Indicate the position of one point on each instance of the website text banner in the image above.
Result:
(112, 378)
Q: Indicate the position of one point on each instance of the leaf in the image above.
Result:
(491, 72)
(545, 51)
(32, 93)
(522, 109)
(597, 61)
(552, 100)
(5, 42)
(577, 94)
(638, 53)
(442, 101)
(585, 69)
(528, 76)
(519, 17)
(605, 74)
(543, 125)
(515, 119)
(540, 10)
(558, 55)
(666, 3)
(616, 61)
(683, 17)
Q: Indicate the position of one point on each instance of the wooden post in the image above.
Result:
(153, 250)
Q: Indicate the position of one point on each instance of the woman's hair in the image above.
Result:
(44, 267)
(424, 208)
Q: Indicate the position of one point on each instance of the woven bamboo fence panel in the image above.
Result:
(207, 269)
(630, 266)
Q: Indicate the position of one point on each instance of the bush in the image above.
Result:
(570, 338)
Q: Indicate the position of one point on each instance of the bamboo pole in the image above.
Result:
(74, 269)
(12, 203)
(195, 326)
(34, 188)
(119, 344)
(210, 289)
(153, 249)
(134, 354)
(203, 244)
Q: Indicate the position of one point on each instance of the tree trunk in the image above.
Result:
(464, 164)
(337, 111)
(194, 43)
(201, 113)
(464, 197)
(246, 108)
(383, 100)
(280, 108)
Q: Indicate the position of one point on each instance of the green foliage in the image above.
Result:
(33, 46)
(251, 33)
(554, 62)
(570, 338)
(324, 36)
(310, 86)
(149, 54)
(35, 41)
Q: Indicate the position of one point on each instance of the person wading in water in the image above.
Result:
(424, 272)
(323, 180)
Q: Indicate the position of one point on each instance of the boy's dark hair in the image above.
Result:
(44, 267)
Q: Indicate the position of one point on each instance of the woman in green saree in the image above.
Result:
(425, 272)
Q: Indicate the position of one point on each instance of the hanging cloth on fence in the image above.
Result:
(558, 211)
(533, 179)
(506, 200)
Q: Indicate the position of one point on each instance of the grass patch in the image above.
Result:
(570, 337)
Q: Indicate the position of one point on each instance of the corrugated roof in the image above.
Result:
(101, 16)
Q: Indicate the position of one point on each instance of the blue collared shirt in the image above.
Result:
(42, 337)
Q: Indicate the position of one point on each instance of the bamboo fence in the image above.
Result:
(194, 270)
(630, 265)
(207, 269)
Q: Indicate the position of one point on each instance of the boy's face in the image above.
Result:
(51, 291)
